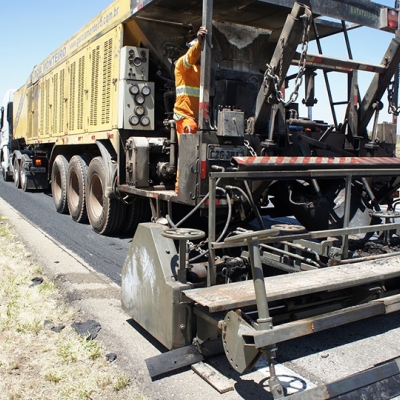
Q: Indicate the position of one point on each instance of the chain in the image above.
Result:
(249, 148)
(197, 247)
(392, 108)
(270, 76)
(302, 61)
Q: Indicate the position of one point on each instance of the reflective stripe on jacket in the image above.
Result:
(187, 83)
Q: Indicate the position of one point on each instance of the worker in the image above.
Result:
(187, 83)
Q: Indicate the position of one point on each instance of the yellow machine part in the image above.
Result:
(72, 96)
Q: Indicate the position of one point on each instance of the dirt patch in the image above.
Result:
(41, 354)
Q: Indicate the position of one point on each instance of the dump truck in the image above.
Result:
(267, 237)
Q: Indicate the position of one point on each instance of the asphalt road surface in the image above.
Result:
(317, 359)
(104, 254)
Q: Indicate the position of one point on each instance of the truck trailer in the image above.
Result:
(267, 237)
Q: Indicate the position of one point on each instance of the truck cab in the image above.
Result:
(6, 130)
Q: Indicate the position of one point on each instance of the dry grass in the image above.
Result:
(36, 363)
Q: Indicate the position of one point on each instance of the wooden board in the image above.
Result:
(241, 294)
(214, 377)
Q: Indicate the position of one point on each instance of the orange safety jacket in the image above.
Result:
(187, 83)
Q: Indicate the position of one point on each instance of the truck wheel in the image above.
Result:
(76, 188)
(105, 214)
(136, 212)
(17, 173)
(59, 184)
(6, 176)
(22, 176)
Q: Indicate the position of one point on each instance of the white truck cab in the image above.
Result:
(6, 131)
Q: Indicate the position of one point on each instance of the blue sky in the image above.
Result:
(367, 45)
(32, 30)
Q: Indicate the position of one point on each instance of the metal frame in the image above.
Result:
(347, 174)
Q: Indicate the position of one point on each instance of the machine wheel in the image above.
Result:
(183, 233)
(106, 215)
(136, 212)
(59, 184)
(17, 173)
(76, 187)
(22, 176)
(259, 235)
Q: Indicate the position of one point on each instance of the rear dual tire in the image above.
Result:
(76, 187)
(22, 176)
(79, 186)
(59, 184)
(136, 212)
(106, 215)
(17, 173)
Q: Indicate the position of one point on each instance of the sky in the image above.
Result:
(32, 30)
(367, 45)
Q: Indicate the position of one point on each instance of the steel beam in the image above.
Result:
(205, 71)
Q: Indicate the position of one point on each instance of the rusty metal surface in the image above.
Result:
(319, 323)
(241, 294)
(267, 14)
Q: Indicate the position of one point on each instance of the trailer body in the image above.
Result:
(95, 121)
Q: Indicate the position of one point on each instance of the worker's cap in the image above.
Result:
(192, 43)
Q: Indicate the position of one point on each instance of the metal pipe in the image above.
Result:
(205, 71)
(274, 110)
(368, 258)
(304, 248)
(377, 107)
(346, 217)
(284, 252)
(250, 200)
(371, 194)
(182, 261)
(228, 219)
(255, 209)
(264, 320)
(211, 272)
(306, 123)
(172, 152)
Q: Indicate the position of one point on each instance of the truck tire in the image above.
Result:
(76, 187)
(6, 177)
(22, 176)
(59, 184)
(106, 215)
(136, 212)
(17, 173)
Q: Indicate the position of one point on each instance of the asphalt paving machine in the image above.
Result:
(283, 225)
(270, 236)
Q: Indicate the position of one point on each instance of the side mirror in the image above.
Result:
(1, 117)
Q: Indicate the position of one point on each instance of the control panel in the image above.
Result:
(134, 63)
(136, 98)
(138, 105)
